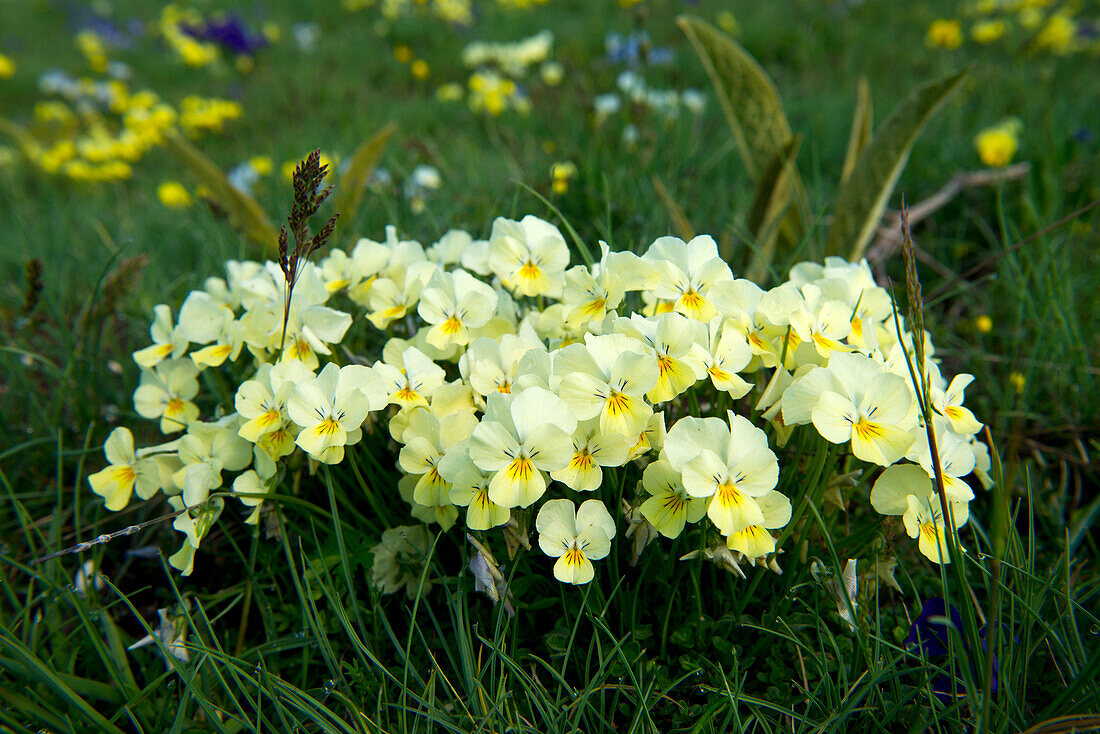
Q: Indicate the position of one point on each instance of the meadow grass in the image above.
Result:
(284, 630)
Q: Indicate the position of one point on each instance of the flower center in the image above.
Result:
(452, 326)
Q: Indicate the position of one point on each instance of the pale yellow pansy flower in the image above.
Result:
(672, 337)
(669, 507)
(492, 365)
(949, 404)
(126, 474)
(730, 462)
(391, 298)
(519, 438)
(166, 391)
(755, 541)
(592, 293)
(529, 256)
(428, 439)
(575, 536)
(874, 411)
(409, 376)
(608, 377)
(822, 322)
(452, 304)
(168, 341)
(470, 489)
(722, 351)
(331, 409)
(906, 490)
(261, 401)
(592, 449)
(686, 272)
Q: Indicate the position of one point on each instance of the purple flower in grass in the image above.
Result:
(928, 637)
(228, 31)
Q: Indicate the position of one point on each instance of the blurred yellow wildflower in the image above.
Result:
(403, 53)
(945, 34)
(194, 53)
(1017, 380)
(997, 145)
(728, 23)
(552, 72)
(1030, 18)
(420, 69)
(261, 164)
(173, 195)
(7, 67)
(92, 47)
(449, 92)
(988, 31)
(983, 324)
(1058, 34)
(271, 31)
(326, 160)
(560, 175)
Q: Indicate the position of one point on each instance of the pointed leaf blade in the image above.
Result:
(862, 127)
(244, 213)
(754, 111)
(747, 94)
(349, 194)
(863, 197)
(770, 208)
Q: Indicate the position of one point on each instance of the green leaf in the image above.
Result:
(349, 193)
(746, 92)
(244, 213)
(18, 133)
(771, 203)
(863, 196)
(753, 110)
(862, 125)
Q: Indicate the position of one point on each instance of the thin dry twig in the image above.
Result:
(890, 237)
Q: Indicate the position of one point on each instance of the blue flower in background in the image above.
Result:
(110, 32)
(228, 31)
(636, 49)
(928, 637)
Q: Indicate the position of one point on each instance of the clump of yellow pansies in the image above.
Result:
(519, 390)
(96, 130)
(1028, 26)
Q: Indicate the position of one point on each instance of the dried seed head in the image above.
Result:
(32, 273)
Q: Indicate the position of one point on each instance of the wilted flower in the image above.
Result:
(928, 637)
(400, 558)
(170, 634)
